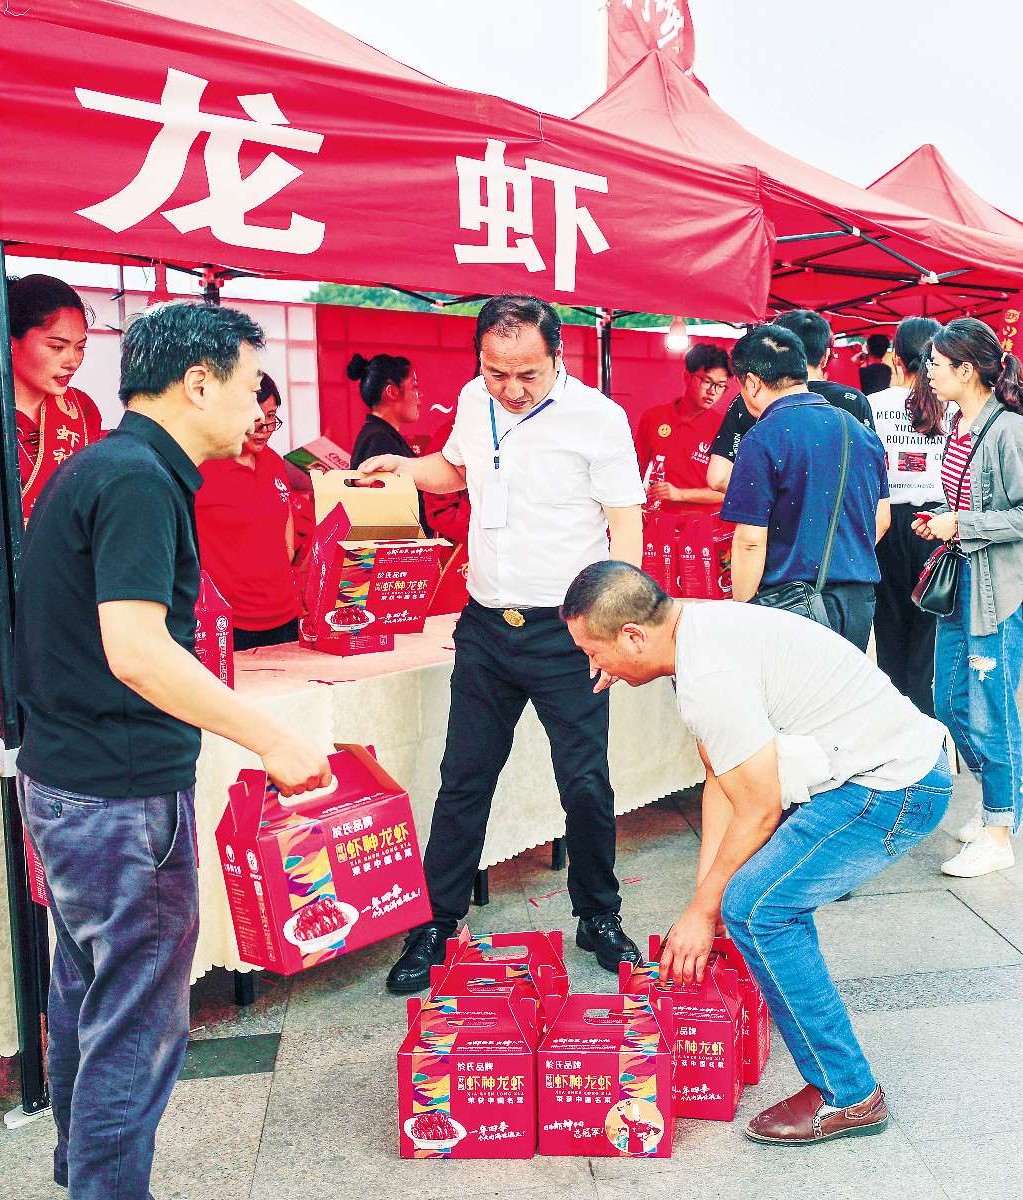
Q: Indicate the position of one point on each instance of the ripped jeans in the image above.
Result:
(975, 684)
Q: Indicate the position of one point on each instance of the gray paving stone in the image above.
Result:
(933, 989)
(997, 900)
(906, 933)
(215, 1014)
(982, 1167)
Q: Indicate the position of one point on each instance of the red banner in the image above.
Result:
(635, 27)
(1009, 333)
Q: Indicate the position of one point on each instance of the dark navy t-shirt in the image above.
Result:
(785, 479)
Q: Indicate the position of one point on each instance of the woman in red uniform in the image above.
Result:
(247, 534)
(48, 335)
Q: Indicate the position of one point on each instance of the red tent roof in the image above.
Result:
(251, 134)
(924, 180)
(939, 265)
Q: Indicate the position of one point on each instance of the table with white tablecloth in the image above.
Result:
(398, 704)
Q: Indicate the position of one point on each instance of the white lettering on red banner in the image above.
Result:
(671, 24)
(485, 187)
(231, 198)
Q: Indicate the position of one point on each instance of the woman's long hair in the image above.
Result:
(912, 342)
(967, 340)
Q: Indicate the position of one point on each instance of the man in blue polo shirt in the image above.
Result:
(785, 482)
(114, 700)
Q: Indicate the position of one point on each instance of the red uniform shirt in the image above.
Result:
(242, 518)
(683, 436)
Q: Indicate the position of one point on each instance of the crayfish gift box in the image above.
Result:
(314, 877)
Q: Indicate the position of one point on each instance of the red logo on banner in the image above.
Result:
(635, 27)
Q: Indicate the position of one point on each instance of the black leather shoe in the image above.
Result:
(604, 936)
(424, 948)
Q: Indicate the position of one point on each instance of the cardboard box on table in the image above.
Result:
(318, 456)
(467, 1078)
(707, 1047)
(319, 875)
(371, 572)
(604, 1069)
(703, 560)
(659, 550)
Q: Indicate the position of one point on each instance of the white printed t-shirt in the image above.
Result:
(747, 675)
(913, 460)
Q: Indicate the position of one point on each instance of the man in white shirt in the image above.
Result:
(551, 468)
(818, 778)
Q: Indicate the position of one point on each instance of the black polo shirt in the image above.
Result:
(116, 522)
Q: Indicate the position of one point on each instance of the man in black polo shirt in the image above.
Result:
(114, 700)
(815, 334)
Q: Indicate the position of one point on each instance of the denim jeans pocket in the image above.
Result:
(921, 812)
(163, 819)
(48, 796)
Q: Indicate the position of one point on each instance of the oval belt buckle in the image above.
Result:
(514, 618)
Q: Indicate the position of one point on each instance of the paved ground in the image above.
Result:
(295, 1097)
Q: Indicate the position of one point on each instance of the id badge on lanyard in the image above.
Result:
(494, 507)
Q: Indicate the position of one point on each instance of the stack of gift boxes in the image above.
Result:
(502, 1060)
(689, 554)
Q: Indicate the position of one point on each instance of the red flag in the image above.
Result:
(635, 27)
(1008, 335)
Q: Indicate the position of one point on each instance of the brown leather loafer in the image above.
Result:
(804, 1119)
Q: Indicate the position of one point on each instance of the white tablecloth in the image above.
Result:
(398, 703)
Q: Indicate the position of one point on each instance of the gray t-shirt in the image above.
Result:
(747, 674)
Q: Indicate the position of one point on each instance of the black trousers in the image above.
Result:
(904, 634)
(850, 607)
(249, 639)
(497, 670)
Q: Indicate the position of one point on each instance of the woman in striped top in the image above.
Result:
(979, 648)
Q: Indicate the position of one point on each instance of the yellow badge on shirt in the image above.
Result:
(664, 431)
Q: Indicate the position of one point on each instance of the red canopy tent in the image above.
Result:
(253, 135)
(860, 256)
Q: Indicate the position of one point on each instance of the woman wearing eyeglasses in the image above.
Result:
(247, 534)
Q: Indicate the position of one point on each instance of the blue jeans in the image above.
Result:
(975, 683)
(823, 849)
(124, 898)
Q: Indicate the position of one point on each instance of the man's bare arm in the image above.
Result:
(749, 556)
(754, 791)
(432, 473)
(142, 654)
(626, 528)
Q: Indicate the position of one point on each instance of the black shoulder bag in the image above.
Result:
(938, 586)
(798, 597)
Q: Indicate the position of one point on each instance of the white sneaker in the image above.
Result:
(974, 827)
(980, 857)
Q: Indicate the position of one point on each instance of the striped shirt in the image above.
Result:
(954, 468)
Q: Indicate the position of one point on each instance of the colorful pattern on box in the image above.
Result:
(431, 1078)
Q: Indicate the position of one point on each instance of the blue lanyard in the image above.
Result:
(493, 427)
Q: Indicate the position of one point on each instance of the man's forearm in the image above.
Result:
(433, 473)
(747, 568)
(704, 495)
(626, 529)
(745, 835)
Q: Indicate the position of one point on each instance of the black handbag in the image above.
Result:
(799, 597)
(938, 586)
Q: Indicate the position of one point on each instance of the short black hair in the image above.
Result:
(268, 390)
(772, 353)
(811, 329)
(705, 357)
(877, 345)
(163, 342)
(608, 595)
(505, 315)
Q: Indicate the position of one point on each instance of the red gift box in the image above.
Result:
(214, 640)
(659, 550)
(756, 1019)
(531, 948)
(604, 1077)
(36, 874)
(323, 874)
(467, 1078)
(498, 979)
(707, 1048)
(704, 556)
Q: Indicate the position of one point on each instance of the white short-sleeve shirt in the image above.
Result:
(560, 468)
(913, 460)
(746, 675)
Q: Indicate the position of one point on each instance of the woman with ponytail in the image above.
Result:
(390, 390)
(911, 433)
(979, 647)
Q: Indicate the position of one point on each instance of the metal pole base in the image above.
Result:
(559, 855)
(481, 889)
(17, 1117)
(244, 988)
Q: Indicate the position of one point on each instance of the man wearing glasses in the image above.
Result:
(682, 432)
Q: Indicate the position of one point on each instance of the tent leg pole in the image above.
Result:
(28, 921)
(605, 316)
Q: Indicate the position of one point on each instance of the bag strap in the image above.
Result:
(976, 446)
(843, 474)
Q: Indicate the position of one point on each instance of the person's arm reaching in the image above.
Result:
(882, 519)
(719, 472)
(749, 555)
(432, 473)
(142, 654)
(754, 791)
(681, 495)
(626, 529)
